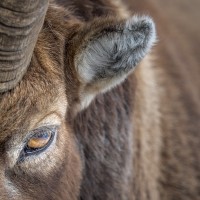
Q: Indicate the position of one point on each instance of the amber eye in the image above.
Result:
(40, 139)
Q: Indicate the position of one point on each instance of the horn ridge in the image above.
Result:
(20, 24)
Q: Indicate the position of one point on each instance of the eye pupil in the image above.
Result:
(39, 141)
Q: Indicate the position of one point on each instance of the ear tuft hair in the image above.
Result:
(117, 52)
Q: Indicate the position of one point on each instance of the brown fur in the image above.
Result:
(177, 69)
(96, 156)
(38, 98)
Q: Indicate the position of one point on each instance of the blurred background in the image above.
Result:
(178, 57)
(178, 63)
(178, 26)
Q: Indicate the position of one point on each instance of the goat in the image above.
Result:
(76, 122)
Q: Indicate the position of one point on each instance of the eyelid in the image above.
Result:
(50, 118)
(44, 127)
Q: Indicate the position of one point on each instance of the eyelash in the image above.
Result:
(26, 152)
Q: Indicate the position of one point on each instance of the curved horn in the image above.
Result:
(20, 23)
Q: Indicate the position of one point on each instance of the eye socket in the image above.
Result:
(40, 139)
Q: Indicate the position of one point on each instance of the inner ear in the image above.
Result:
(108, 50)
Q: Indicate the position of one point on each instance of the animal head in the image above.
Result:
(49, 71)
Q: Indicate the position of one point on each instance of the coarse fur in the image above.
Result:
(74, 60)
(82, 78)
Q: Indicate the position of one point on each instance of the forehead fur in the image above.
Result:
(36, 94)
(43, 84)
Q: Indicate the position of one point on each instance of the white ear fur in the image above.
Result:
(109, 58)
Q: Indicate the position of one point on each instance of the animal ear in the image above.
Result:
(107, 51)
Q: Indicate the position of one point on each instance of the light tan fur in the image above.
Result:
(147, 133)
